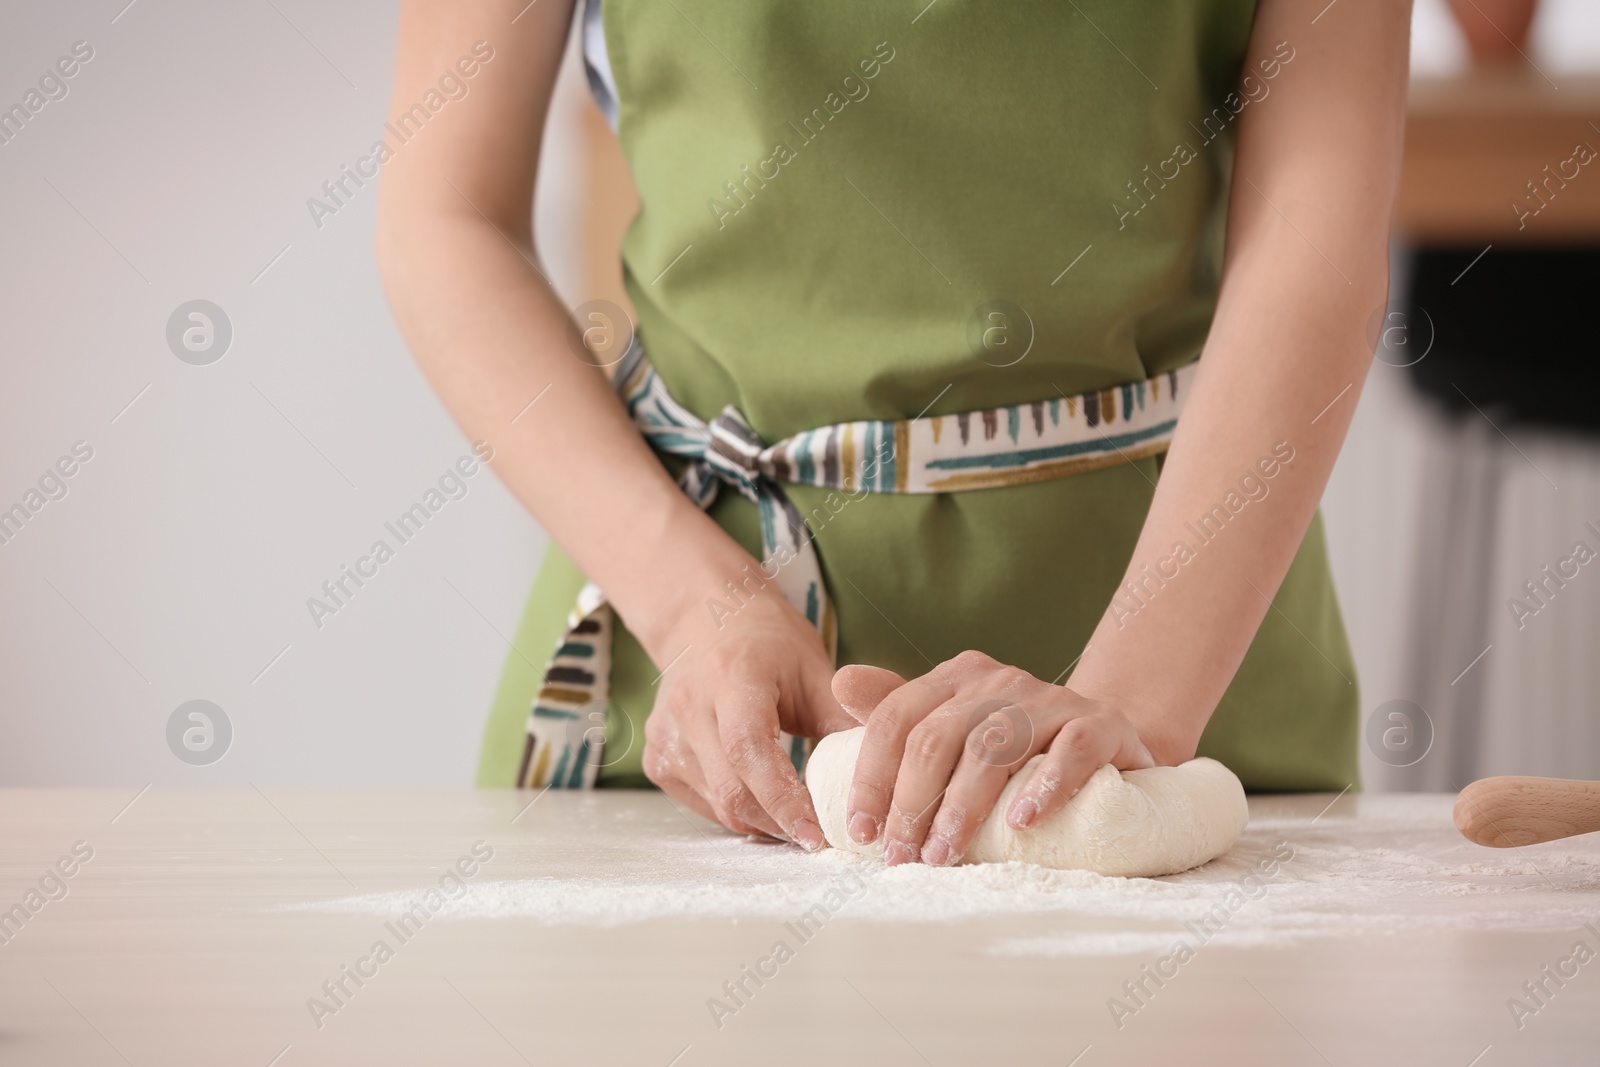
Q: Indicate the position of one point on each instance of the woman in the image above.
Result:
(952, 238)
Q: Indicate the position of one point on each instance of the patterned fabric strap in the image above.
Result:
(941, 453)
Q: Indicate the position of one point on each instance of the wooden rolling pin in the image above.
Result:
(1508, 812)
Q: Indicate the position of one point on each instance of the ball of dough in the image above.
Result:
(1135, 824)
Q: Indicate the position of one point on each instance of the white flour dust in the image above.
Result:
(1398, 867)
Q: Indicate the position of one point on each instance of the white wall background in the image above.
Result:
(179, 564)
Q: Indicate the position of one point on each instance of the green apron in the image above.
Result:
(835, 203)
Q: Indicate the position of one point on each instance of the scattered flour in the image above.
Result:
(1398, 867)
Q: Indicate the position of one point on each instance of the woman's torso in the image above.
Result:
(837, 200)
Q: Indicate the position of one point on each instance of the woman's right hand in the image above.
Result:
(711, 741)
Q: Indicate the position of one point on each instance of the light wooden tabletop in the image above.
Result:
(599, 927)
(1481, 142)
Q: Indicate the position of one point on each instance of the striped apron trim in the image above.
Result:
(1015, 445)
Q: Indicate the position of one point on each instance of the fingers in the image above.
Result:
(932, 750)
(860, 688)
(1081, 747)
(723, 787)
(873, 788)
(747, 724)
(997, 746)
(669, 764)
(736, 807)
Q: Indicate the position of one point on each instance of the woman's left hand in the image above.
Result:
(940, 748)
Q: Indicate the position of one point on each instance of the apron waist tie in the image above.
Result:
(935, 454)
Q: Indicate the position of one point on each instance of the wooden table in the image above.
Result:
(1475, 140)
(186, 939)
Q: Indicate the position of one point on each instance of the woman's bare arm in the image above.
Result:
(1305, 273)
(1306, 270)
(456, 247)
(455, 244)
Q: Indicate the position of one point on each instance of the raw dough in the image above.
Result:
(1136, 824)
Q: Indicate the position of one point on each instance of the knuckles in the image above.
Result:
(729, 800)
(1011, 679)
(869, 796)
(721, 657)
(971, 662)
(1076, 740)
(745, 745)
(675, 705)
(926, 745)
(890, 720)
(973, 666)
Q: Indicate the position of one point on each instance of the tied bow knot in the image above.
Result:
(735, 454)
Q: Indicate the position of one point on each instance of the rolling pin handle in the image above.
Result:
(1509, 812)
